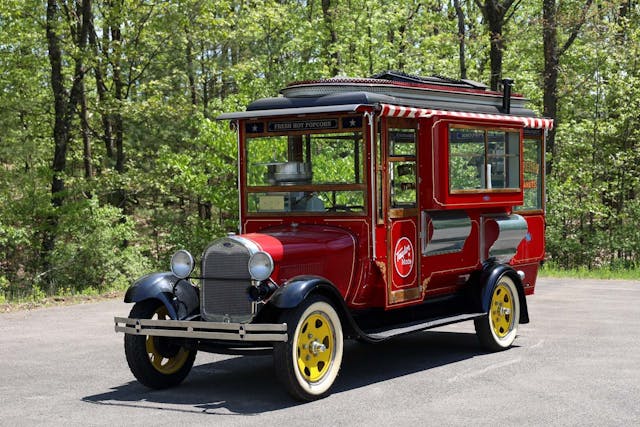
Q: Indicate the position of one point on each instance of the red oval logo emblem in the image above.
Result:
(403, 257)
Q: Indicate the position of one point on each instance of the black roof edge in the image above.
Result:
(343, 101)
(367, 98)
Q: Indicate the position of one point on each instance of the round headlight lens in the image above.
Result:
(260, 266)
(182, 264)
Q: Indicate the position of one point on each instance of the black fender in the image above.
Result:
(488, 281)
(178, 295)
(295, 290)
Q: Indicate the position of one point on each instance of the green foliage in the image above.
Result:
(94, 250)
(593, 192)
(157, 73)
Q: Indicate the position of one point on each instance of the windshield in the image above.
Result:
(316, 171)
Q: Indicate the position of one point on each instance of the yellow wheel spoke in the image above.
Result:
(315, 347)
(502, 310)
(324, 357)
(164, 365)
(156, 361)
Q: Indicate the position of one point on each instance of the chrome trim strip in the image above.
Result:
(423, 232)
(373, 182)
(251, 246)
(235, 332)
(543, 171)
(239, 177)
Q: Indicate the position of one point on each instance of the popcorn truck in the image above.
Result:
(369, 208)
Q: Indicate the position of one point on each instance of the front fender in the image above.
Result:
(295, 290)
(178, 295)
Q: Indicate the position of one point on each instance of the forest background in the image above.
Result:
(110, 157)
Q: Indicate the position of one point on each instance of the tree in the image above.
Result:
(552, 54)
(496, 14)
(461, 38)
(65, 99)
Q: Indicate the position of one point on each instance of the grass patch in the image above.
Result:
(38, 300)
(603, 273)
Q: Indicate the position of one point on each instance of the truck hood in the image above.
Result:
(320, 250)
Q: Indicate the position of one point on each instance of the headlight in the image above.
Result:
(182, 264)
(260, 266)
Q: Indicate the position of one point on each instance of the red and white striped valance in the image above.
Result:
(412, 112)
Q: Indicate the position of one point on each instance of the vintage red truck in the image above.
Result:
(369, 208)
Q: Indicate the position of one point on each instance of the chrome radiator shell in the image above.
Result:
(225, 281)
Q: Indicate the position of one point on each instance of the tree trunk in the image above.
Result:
(552, 55)
(83, 9)
(190, 70)
(118, 85)
(495, 15)
(332, 53)
(120, 196)
(206, 81)
(65, 103)
(60, 127)
(550, 73)
(101, 89)
(461, 39)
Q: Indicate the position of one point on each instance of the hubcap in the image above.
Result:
(501, 310)
(315, 347)
(165, 357)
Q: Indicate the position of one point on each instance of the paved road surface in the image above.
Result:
(576, 363)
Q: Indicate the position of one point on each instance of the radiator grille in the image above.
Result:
(226, 279)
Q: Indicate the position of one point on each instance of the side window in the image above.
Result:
(483, 159)
(533, 172)
(402, 167)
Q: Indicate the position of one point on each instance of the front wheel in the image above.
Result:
(499, 328)
(309, 362)
(157, 362)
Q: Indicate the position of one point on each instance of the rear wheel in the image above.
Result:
(499, 328)
(309, 362)
(157, 362)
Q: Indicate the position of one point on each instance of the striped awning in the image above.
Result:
(412, 112)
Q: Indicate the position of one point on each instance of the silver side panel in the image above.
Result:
(511, 230)
(450, 231)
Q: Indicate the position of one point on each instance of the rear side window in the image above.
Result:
(483, 159)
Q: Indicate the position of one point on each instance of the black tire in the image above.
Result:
(156, 362)
(309, 362)
(498, 330)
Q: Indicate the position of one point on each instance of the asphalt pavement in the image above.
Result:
(576, 363)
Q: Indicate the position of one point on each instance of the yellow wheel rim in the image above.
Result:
(163, 364)
(502, 319)
(315, 347)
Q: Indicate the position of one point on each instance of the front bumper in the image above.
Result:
(232, 332)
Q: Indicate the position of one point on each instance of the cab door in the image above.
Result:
(401, 149)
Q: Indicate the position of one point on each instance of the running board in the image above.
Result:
(383, 334)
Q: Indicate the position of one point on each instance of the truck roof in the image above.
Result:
(344, 94)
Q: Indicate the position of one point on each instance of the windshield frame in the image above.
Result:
(265, 128)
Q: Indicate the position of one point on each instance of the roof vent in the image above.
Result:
(507, 84)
